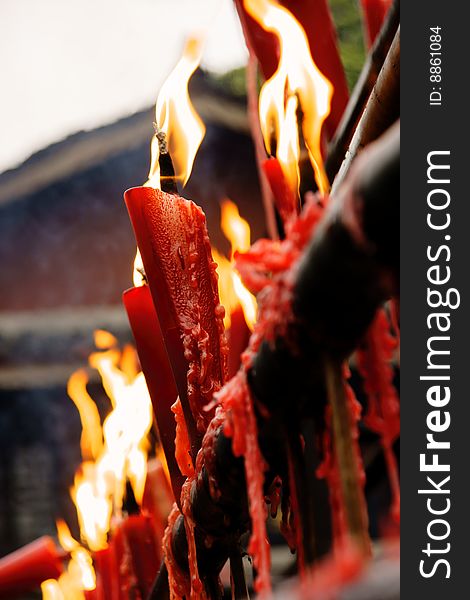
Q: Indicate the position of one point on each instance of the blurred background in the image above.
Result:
(79, 80)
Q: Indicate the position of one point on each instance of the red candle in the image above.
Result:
(137, 557)
(315, 18)
(158, 373)
(172, 237)
(107, 585)
(263, 43)
(158, 499)
(25, 569)
(285, 200)
(374, 12)
(238, 335)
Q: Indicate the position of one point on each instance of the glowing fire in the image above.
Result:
(79, 576)
(100, 484)
(231, 289)
(183, 128)
(138, 277)
(112, 454)
(176, 116)
(297, 81)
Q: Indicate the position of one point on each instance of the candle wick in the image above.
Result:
(161, 137)
(141, 271)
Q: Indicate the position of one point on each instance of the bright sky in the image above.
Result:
(67, 65)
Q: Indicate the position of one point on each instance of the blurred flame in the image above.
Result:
(297, 80)
(51, 590)
(79, 576)
(91, 442)
(232, 292)
(100, 484)
(112, 454)
(104, 339)
(65, 537)
(176, 116)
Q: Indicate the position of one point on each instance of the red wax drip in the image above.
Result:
(266, 266)
(329, 470)
(274, 496)
(295, 510)
(287, 526)
(236, 399)
(383, 413)
(197, 588)
(338, 569)
(182, 445)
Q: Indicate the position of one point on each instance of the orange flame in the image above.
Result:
(184, 130)
(99, 485)
(79, 576)
(176, 116)
(138, 277)
(232, 292)
(91, 442)
(297, 80)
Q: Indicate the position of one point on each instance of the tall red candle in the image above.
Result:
(137, 557)
(158, 373)
(107, 584)
(158, 500)
(172, 237)
(26, 568)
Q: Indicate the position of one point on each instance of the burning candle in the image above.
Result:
(297, 84)
(25, 569)
(315, 19)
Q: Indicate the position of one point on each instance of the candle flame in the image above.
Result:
(91, 442)
(176, 116)
(296, 84)
(120, 446)
(138, 276)
(79, 575)
(182, 128)
(232, 292)
(51, 590)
